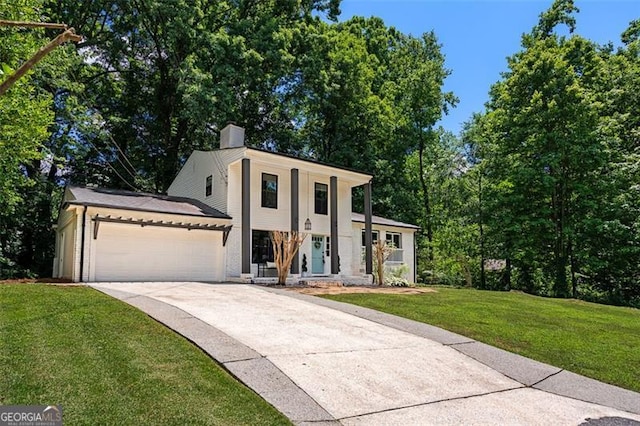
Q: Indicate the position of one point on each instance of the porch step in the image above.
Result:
(320, 283)
(307, 281)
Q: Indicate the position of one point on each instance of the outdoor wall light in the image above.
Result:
(307, 225)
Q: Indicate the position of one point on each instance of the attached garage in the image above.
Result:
(134, 253)
(128, 236)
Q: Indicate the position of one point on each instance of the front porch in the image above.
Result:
(316, 281)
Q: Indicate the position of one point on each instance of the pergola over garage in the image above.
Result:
(115, 235)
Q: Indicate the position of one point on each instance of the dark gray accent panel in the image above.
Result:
(295, 214)
(333, 194)
(246, 216)
(368, 237)
(84, 231)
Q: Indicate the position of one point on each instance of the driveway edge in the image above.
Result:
(524, 370)
(243, 363)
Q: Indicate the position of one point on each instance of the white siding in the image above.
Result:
(127, 252)
(68, 243)
(267, 218)
(67, 239)
(186, 183)
(234, 209)
(344, 229)
(190, 181)
(407, 247)
(220, 161)
(77, 248)
(225, 166)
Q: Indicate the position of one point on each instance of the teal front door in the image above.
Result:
(317, 254)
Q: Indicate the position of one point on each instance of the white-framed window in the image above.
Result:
(395, 239)
(208, 186)
(321, 199)
(374, 237)
(269, 191)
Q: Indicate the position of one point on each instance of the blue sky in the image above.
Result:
(478, 35)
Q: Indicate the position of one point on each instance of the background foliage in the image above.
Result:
(539, 192)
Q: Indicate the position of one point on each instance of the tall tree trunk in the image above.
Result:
(483, 277)
(560, 244)
(572, 263)
(506, 278)
(426, 199)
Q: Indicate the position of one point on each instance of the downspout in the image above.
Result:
(84, 225)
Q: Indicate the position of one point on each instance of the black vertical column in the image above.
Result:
(333, 191)
(368, 237)
(295, 214)
(246, 216)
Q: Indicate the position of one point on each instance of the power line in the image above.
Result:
(113, 168)
(133, 172)
(123, 155)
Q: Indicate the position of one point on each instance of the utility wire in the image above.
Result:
(113, 168)
(133, 172)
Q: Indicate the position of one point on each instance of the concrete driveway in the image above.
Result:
(322, 361)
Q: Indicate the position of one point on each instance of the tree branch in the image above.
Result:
(62, 38)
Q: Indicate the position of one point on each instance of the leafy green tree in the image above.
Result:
(421, 71)
(455, 231)
(164, 76)
(25, 117)
(612, 238)
(24, 109)
(546, 157)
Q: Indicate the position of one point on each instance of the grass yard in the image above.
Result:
(598, 341)
(108, 363)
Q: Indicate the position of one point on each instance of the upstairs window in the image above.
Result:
(208, 186)
(269, 191)
(322, 203)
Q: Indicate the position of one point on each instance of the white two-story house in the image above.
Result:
(214, 223)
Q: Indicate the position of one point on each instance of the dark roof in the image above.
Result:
(359, 217)
(140, 201)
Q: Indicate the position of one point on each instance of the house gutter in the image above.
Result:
(84, 225)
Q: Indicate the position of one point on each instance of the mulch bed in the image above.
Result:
(360, 289)
(38, 281)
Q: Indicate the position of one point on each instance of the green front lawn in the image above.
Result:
(108, 363)
(599, 341)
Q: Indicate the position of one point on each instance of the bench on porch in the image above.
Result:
(267, 269)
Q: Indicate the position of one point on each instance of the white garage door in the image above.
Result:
(125, 252)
